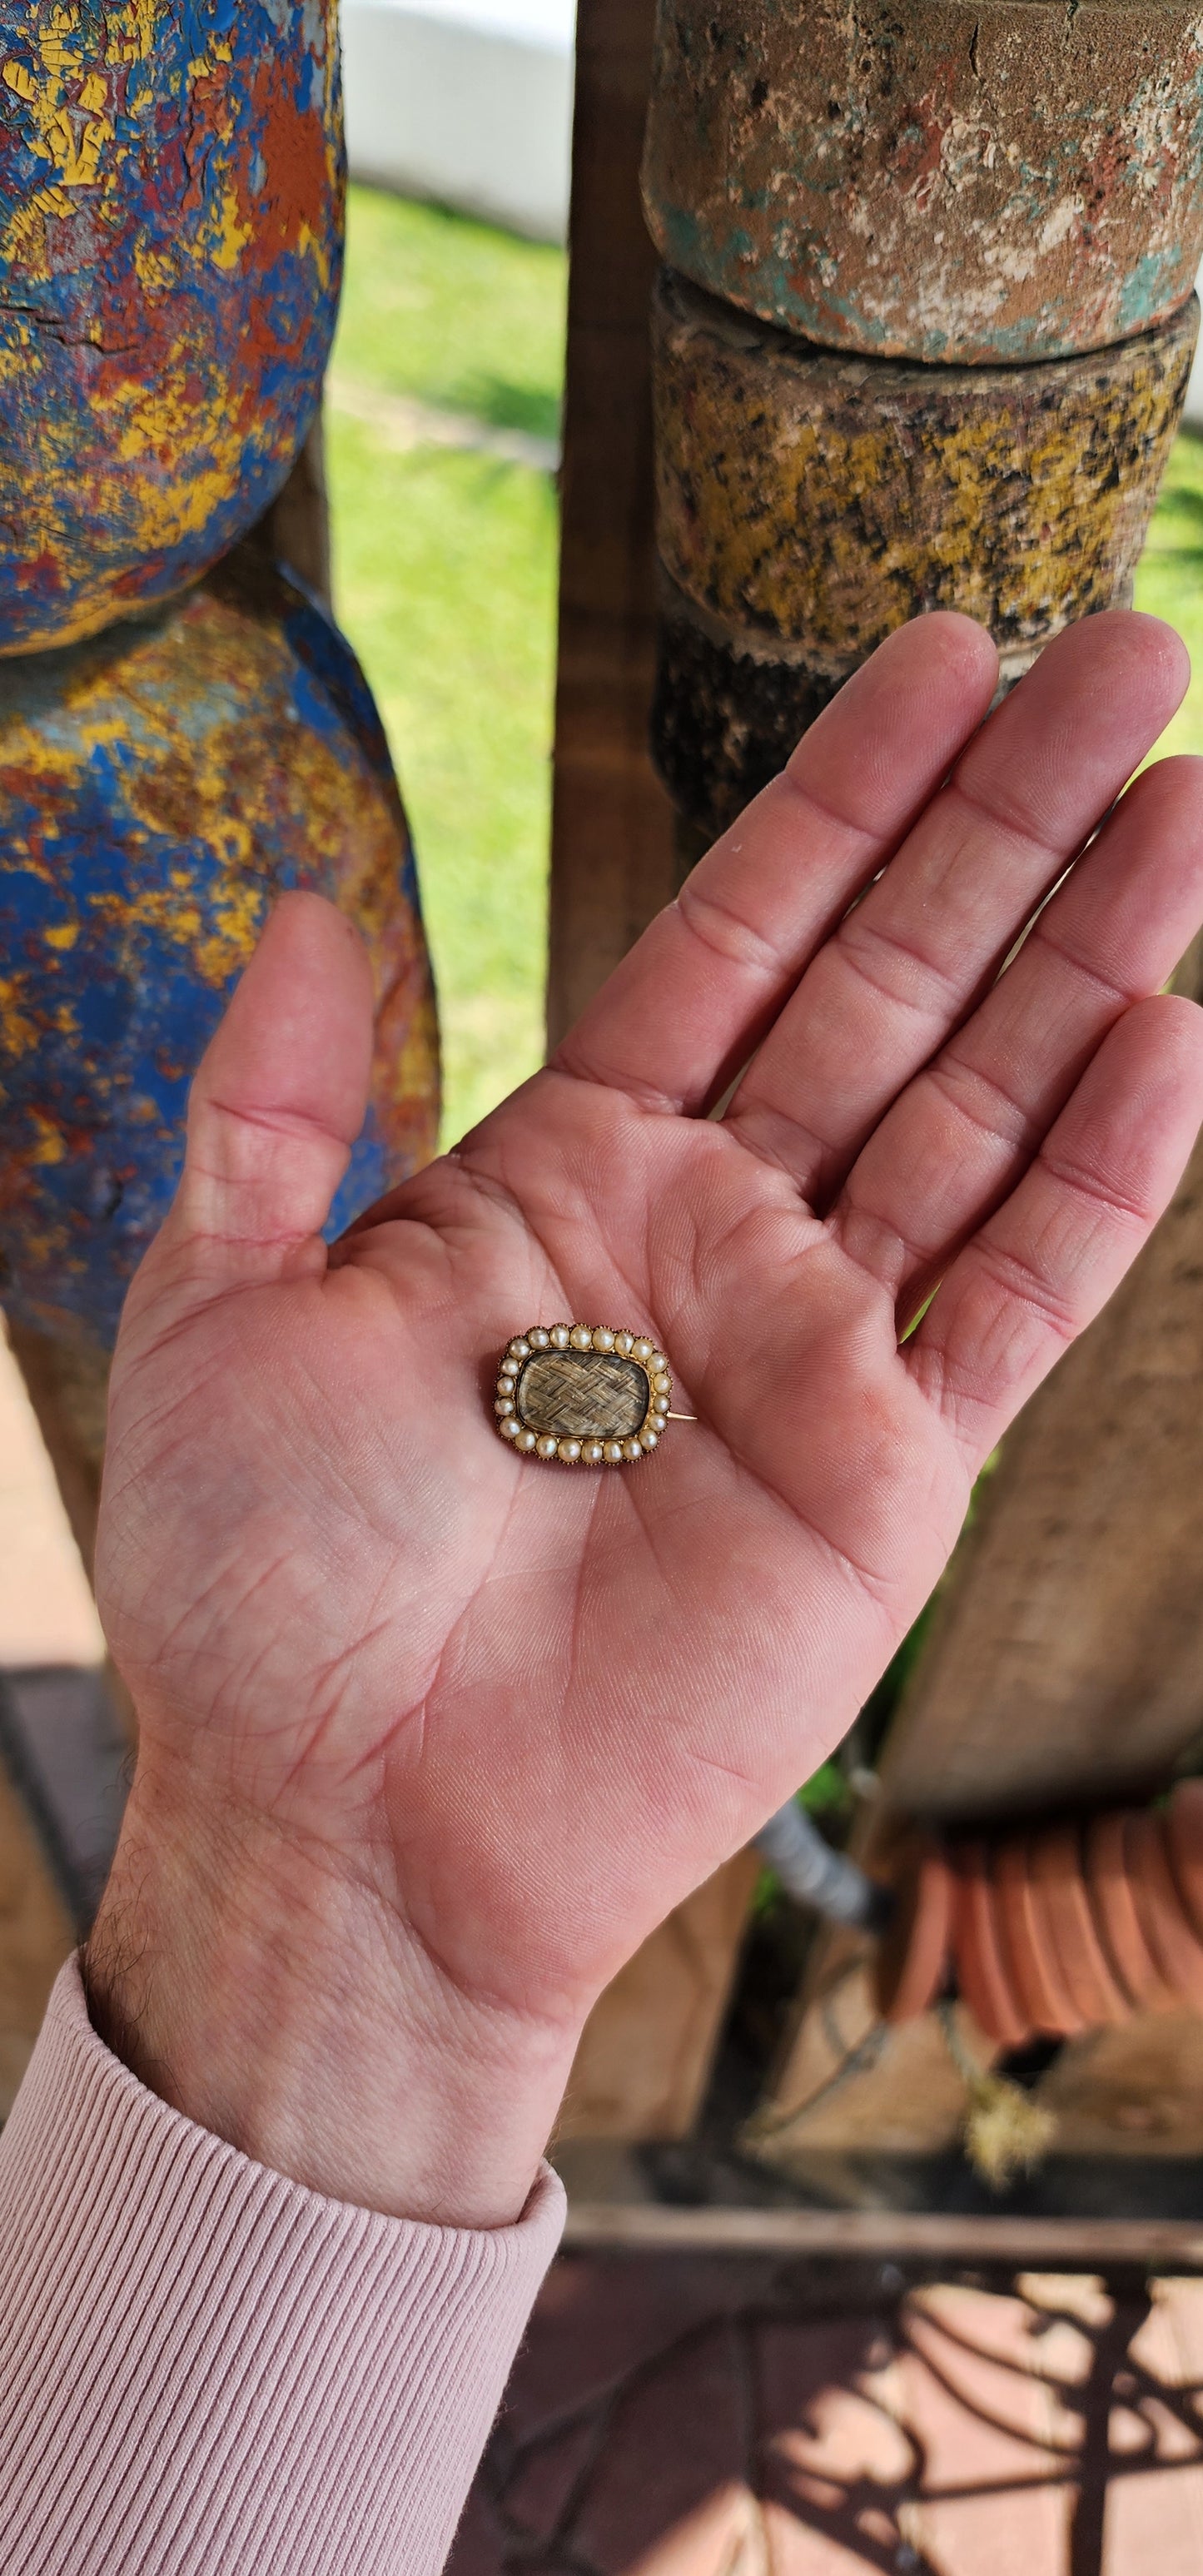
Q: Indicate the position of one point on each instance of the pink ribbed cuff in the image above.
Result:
(205, 2367)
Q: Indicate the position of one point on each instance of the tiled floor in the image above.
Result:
(693, 2415)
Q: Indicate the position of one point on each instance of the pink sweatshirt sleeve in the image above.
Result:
(206, 2370)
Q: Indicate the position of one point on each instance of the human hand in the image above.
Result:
(432, 1735)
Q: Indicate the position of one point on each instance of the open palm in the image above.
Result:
(512, 1711)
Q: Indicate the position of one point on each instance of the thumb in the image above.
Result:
(277, 1104)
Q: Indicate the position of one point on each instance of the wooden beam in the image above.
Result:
(643, 2062)
(36, 1935)
(298, 523)
(643, 2227)
(1065, 1656)
(613, 862)
(68, 1384)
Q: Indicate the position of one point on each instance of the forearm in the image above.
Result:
(207, 2369)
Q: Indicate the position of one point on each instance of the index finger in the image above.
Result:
(684, 1011)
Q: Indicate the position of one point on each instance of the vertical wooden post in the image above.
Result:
(38, 1935)
(297, 526)
(613, 862)
(646, 2053)
(67, 1384)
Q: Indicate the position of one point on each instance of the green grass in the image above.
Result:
(445, 573)
(462, 316)
(1169, 582)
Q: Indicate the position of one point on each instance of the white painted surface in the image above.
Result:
(468, 102)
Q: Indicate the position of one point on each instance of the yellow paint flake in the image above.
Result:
(78, 159)
(156, 270)
(50, 1147)
(93, 93)
(22, 82)
(233, 237)
(17, 1031)
(64, 936)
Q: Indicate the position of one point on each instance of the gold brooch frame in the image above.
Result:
(601, 1446)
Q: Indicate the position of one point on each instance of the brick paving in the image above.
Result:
(716, 2415)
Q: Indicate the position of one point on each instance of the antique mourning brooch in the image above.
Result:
(585, 1395)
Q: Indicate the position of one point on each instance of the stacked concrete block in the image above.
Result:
(922, 338)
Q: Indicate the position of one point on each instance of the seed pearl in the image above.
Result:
(663, 1385)
(603, 1340)
(561, 1335)
(581, 1337)
(546, 1446)
(503, 1405)
(660, 1404)
(624, 1342)
(648, 1437)
(538, 1339)
(509, 1368)
(519, 1351)
(526, 1440)
(641, 1351)
(613, 1453)
(631, 1450)
(509, 1430)
(592, 1453)
(657, 1362)
(569, 1451)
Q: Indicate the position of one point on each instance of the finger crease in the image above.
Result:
(744, 946)
(1017, 1279)
(1071, 1176)
(954, 1078)
(944, 987)
(293, 1126)
(823, 812)
(1120, 995)
(1056, 857)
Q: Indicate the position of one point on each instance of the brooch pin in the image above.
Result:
(585, 1395)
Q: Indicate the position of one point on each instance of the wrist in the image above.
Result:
(289, 2010)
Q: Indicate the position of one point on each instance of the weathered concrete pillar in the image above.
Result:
(954, 249)
(809, 502)
(980, 181)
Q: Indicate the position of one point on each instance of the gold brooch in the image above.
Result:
(585, 1395)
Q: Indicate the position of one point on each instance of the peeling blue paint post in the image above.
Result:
(159, 785)
(183, 732)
